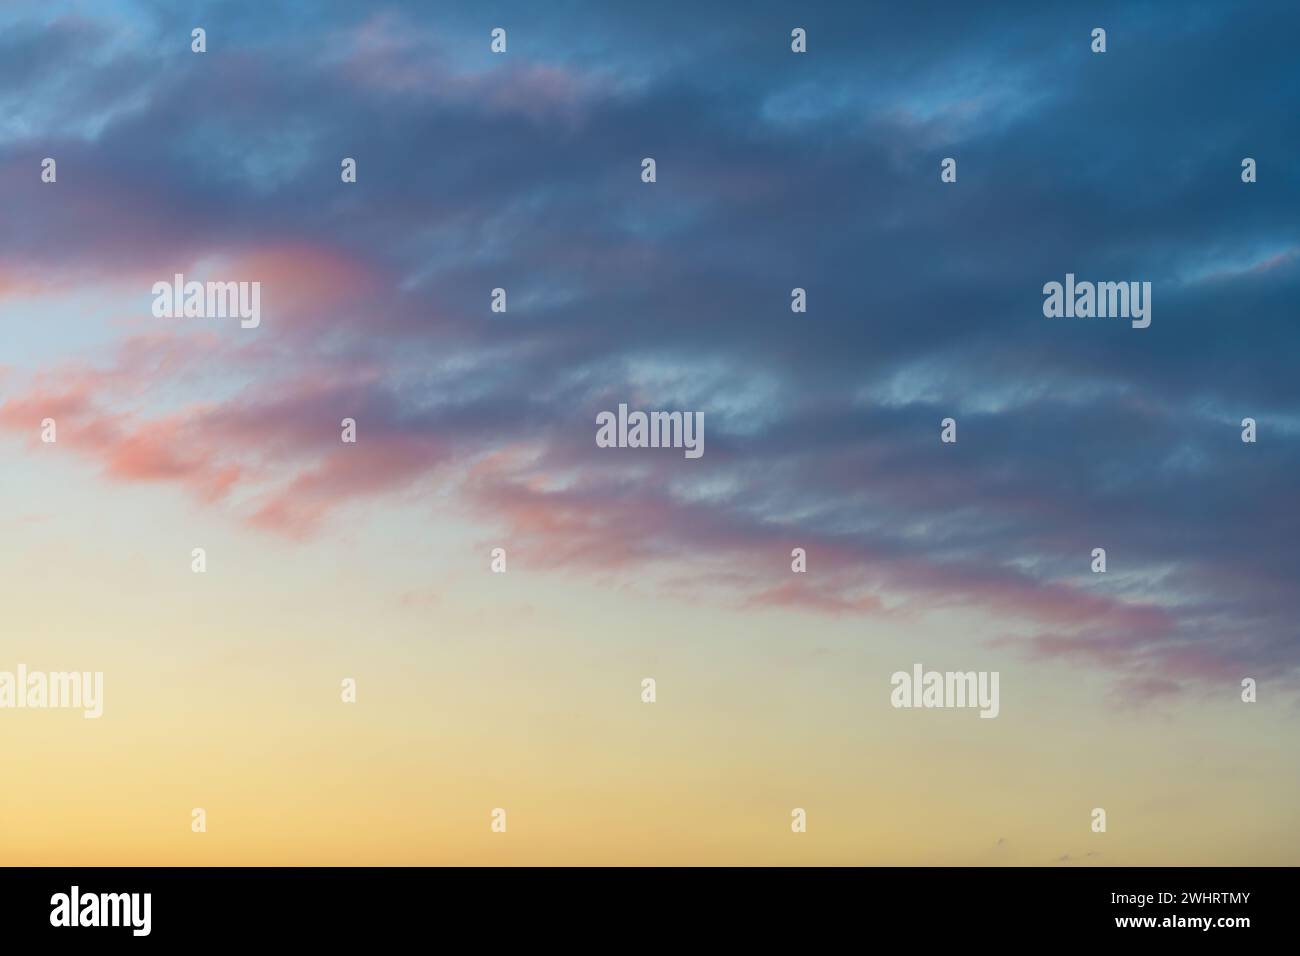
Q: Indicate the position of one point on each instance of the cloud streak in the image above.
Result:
(522, 172)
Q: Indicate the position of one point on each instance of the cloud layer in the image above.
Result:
(774, 171)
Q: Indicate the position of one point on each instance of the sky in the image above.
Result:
(522, 690)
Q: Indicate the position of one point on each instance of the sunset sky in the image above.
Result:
(476, 431)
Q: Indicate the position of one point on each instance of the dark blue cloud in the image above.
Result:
(775, 170)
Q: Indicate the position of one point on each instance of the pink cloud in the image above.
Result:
(824, 599)
(390, 55)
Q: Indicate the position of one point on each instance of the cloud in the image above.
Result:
(822, 429)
